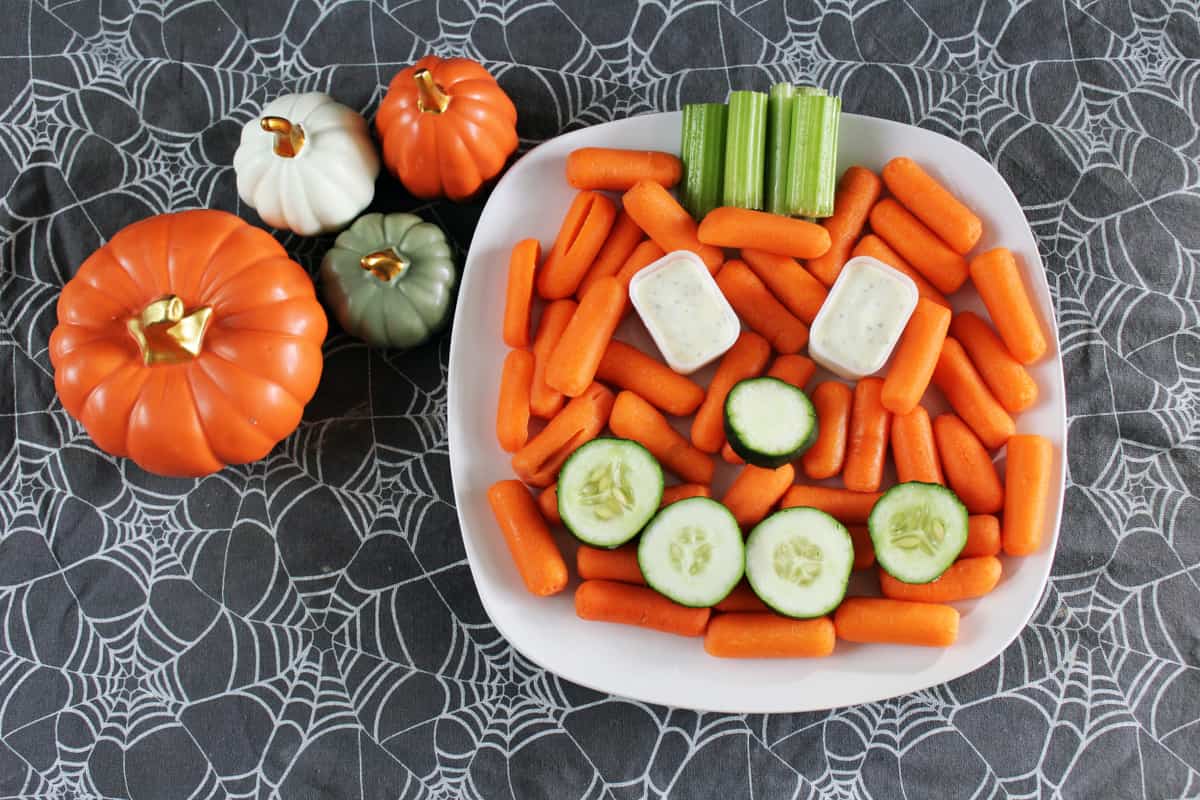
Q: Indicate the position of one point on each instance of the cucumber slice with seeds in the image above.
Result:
(769, 422)
(607, 490)
(918, 529)
(798, 561)
(692, 552)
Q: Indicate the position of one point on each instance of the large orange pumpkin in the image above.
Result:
(188, 342)
(446, 126)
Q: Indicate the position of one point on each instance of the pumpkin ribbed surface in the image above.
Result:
(454, 151)
(245, 389)
(400, 311)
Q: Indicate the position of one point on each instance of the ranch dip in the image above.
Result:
(862, 319)
(684, 310)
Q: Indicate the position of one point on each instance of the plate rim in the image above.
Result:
(453, 400)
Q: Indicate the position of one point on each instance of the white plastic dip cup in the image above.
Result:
(862, 318)
(684, 310)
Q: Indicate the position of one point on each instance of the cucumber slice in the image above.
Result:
(692, 552)
(607, 490)
(769, 422)
(918, 529)
(798, 562)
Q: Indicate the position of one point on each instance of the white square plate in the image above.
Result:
(656, 667)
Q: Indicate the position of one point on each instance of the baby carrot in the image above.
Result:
(849, 508)
(545, 402)
(933, 204)
(918, 245)
(629, 368)
(750, 635)
(969, 470)
(728, 226)
(759, 309)
(867, 442)
(1027, 474)
(1009, 381)
(915, 357)
(576, 357)
(512, 413)
(998, 280)
(871, 245)
(616, 170)
(962, 580)
(634, 418)
(621, 564)
(529, 541)
(745, 359)
(857, 192)
(793, 369)
(622, 239)
(792, 285)
(864, 548)
(548, 503)
(875, 619)
(609, 601)
(742, 598)
(730, 457)
(580, 421)
(913, 448)
(682, 491)
(755, 491)
(518, 301)
(666, 222)
(960, 383)
(832, 402)
(583, 232)
(983, 536)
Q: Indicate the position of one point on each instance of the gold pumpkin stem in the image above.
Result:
(387, 265)
(165, 334)
(289, 137)
(430, 96)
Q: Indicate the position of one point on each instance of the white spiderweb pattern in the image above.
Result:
(307, 627)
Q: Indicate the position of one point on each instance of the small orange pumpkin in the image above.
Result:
(188, 342)
(446, 127)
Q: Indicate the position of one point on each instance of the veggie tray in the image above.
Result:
(608, 480)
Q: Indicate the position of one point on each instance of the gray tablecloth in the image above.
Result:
(306, 626)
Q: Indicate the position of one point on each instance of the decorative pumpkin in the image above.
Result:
(307, 164)
(389, 279)
(446, 127)
(188, 342)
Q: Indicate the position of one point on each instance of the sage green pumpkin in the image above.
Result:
(389, 279)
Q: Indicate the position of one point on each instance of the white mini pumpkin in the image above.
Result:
(307, 164)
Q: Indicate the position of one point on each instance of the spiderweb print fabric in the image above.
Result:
(307, 626)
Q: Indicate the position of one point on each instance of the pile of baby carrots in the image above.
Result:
(570, 372)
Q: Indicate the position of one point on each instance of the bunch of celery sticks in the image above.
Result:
(772, 151)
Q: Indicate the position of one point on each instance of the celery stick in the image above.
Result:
(703, 153)
(779, 126)
(812, 157)
(745, 146)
